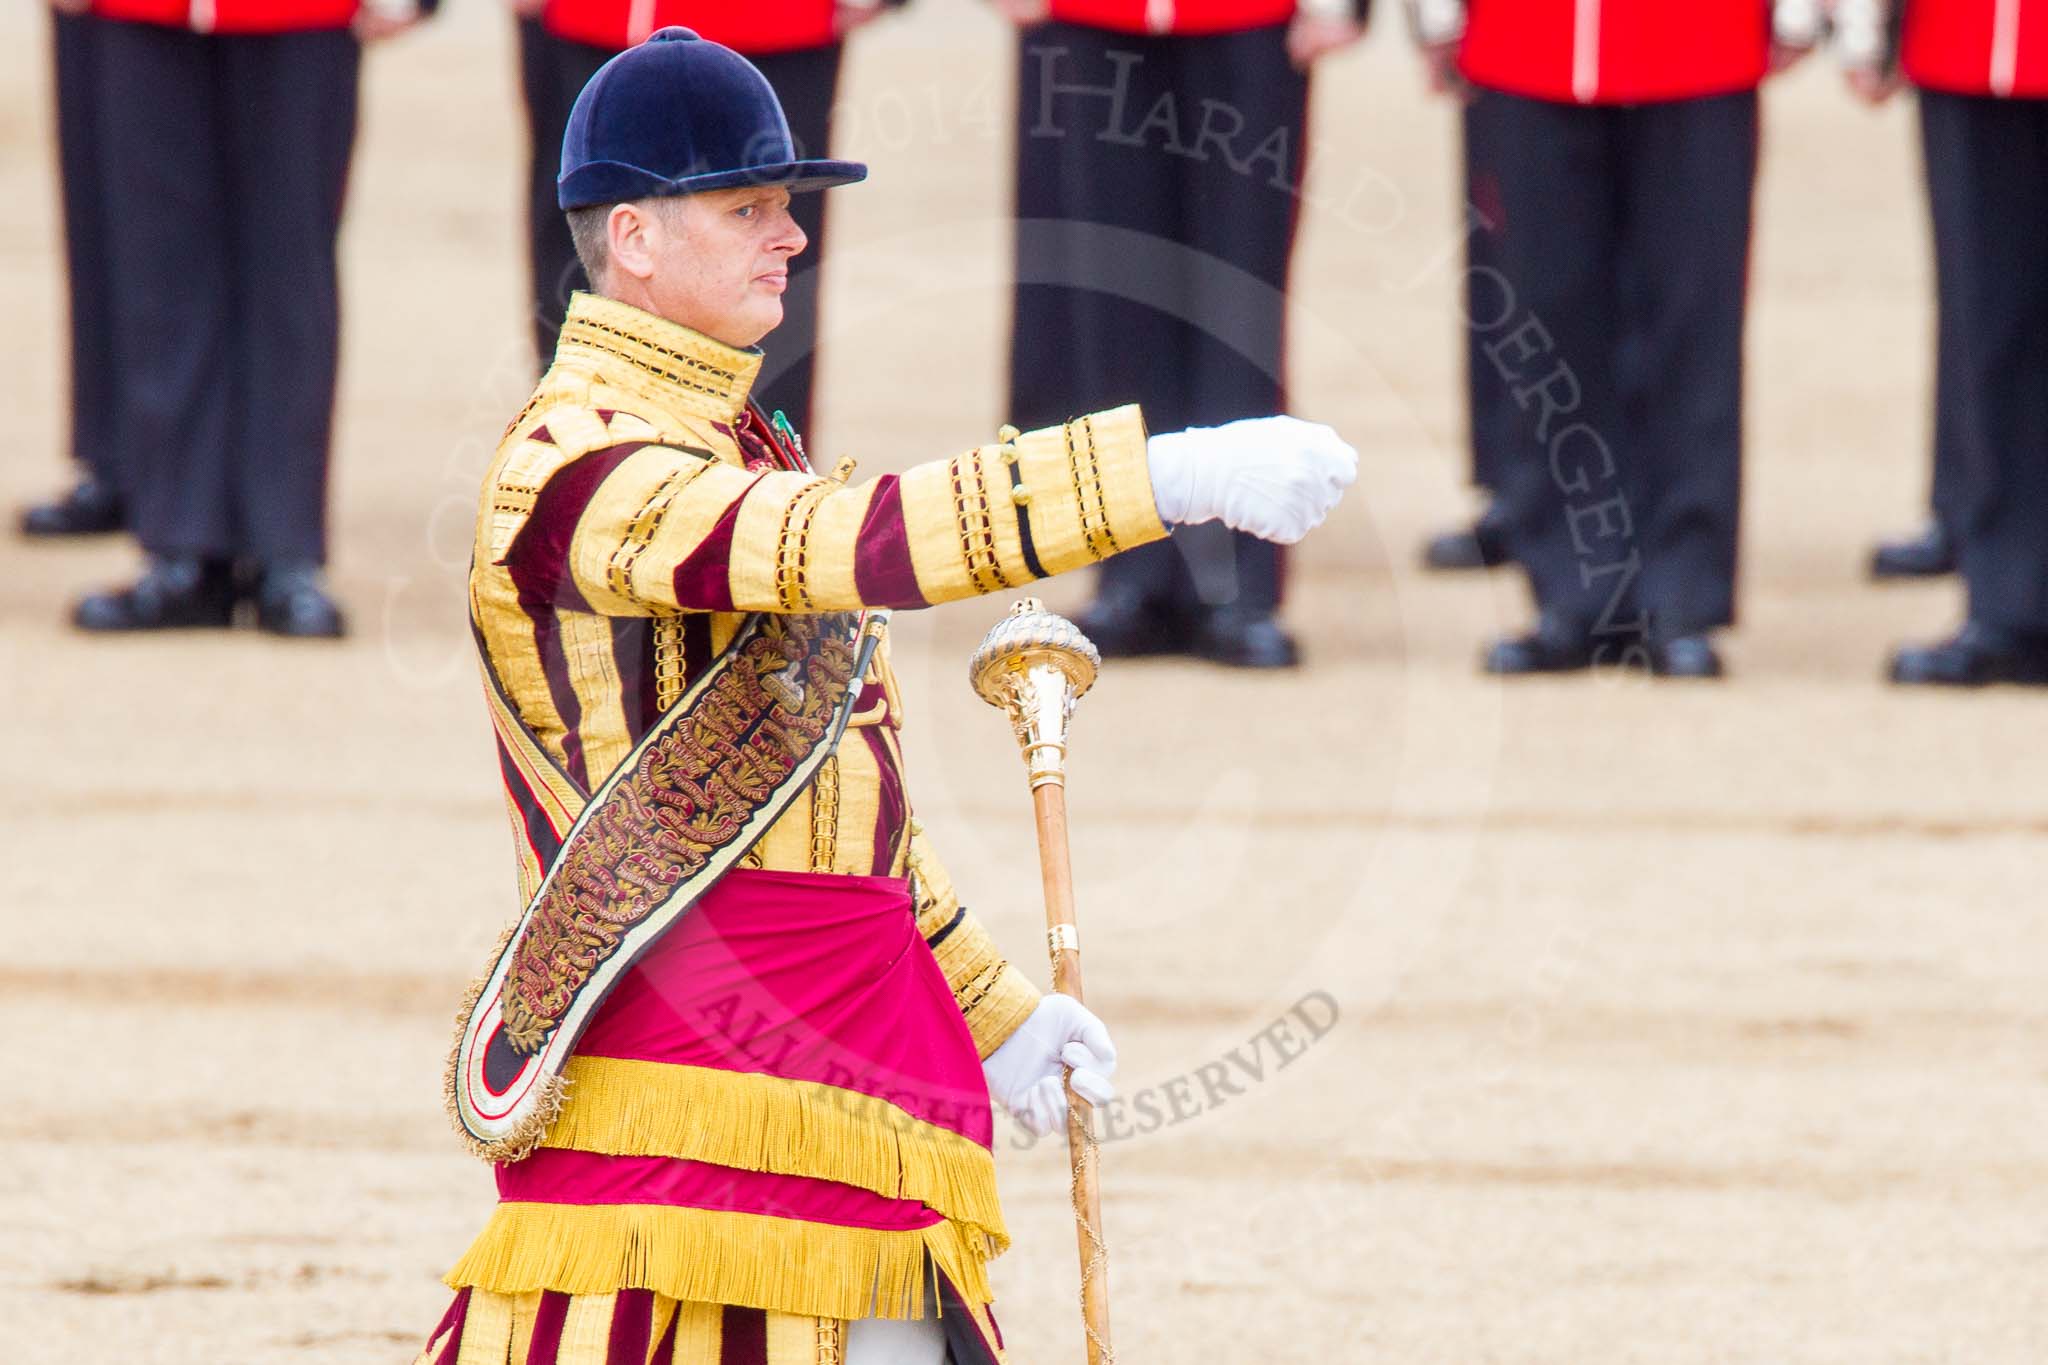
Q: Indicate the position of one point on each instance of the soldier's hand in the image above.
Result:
(374, 24)
(848, 17)
(1025, 12)
(527, 9)
(71, 6)
(1871, 85)
(1273, 477)
(1311, 36)
(1027, 1074)
(1440, 69)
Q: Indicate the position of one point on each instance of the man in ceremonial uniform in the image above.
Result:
(775, 1143)
(1981, 69)
(229, 125)
(93, 505)
(1623, 130)
(1159, 163)
(796, 44)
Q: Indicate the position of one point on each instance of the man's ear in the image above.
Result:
(630, 232)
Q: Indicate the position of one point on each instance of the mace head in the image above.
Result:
(1032, 666)
(1031, 637)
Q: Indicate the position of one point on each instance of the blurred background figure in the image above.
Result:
(1981, 69)
(226, 133)
(93, 504)
(797, 44)
(1489, 409)
(1159, 160)
(1622, 132)
(1930, 552)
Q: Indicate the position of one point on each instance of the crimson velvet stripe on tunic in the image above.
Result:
(890, 812)
(883, 573)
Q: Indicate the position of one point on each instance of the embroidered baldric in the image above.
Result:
(714, 772)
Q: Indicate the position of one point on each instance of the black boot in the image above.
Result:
(1124, 625)
(1559, 645)
(1483, 545)
(292, 600)
(1929, 554)
(1975, 656)
(174, 593)
(1684, 656)
(1555, 646)
(90, 508)
(1243, 638)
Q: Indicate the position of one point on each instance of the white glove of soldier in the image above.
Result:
(1275, 477)
(1025, 1075)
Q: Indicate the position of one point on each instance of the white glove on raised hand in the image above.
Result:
(1274, 477)
(1026, 1074)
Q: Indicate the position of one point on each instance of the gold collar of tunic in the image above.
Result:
(680, 369)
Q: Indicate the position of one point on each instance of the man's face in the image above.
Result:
(716, 261)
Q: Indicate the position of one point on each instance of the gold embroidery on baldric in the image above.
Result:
(689, 790)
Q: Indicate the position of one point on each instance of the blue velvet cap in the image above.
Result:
(679, 115)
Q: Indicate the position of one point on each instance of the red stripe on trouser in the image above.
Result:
(744, 1338)
(632, 1321)
(451, 1322)
(547, 1329)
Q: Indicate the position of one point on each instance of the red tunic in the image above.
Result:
(1173, 16)
(1978, 47)
(1617, 51)
(749, 26)
(233, 16)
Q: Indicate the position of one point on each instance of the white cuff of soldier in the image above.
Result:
(1862, 34)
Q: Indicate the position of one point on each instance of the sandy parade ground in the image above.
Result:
(1567, 1022)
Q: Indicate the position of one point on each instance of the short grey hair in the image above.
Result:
(590, 231)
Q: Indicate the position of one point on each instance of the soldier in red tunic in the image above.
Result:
(1159, 160)
(797, 44)
(1981, 69)
(228, 125)
(1622, 131)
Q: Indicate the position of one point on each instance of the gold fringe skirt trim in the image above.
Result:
(621, 1107)
(782, 1265)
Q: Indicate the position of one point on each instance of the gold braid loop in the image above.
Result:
(1098, 1250)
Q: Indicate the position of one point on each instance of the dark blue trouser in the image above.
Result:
(1987, 178)
(227, 159)
(1157, 182)
(1627, 245)
(95, 379)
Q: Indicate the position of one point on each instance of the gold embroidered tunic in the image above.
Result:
(631, 521)
(623, 537)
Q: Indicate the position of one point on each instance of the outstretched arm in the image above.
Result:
(637, 529)
(640, 528)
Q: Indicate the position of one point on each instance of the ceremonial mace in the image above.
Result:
(1035, 665)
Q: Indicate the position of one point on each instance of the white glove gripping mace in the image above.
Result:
(1035, 665)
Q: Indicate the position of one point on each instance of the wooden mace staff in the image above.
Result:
(1034, 665)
